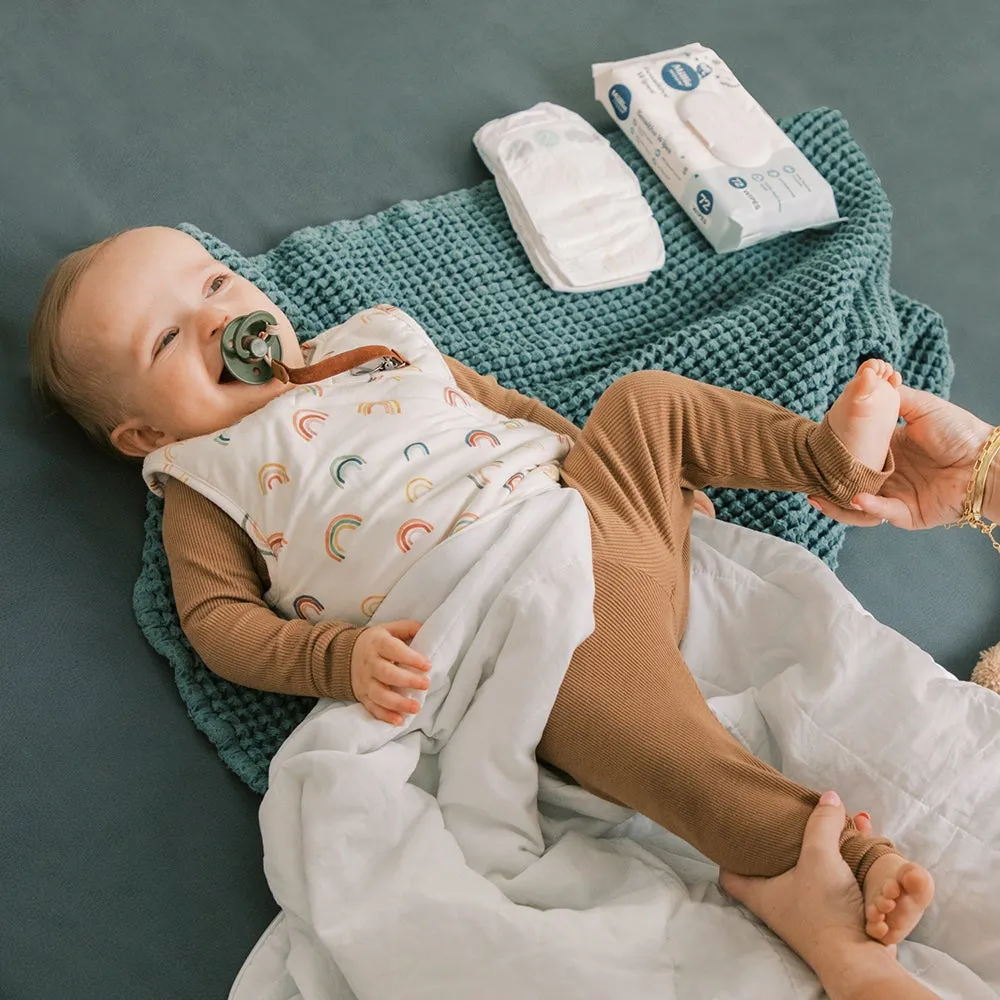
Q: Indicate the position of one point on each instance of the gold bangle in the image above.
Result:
(972, 511)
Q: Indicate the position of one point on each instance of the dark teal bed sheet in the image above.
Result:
(129, 855)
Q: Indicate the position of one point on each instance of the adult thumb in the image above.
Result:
(824, 826)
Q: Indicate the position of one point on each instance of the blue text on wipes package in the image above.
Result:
(724, 159)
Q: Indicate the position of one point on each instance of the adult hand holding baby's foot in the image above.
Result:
(383, 666)
(864, 415)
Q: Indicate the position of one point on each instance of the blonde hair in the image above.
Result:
(82, 390)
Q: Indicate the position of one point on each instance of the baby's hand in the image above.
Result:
(381, 663)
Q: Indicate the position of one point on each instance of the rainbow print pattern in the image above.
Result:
(414, 446)
(453, 397)
(513, 424)
(250, 527)
(480, 478)
(276, 542)
(407, 531)
(221, 438)
(335, 534)
(370, 604)
(338, 467)
(388, 406)
(475, 438)
(271, 474)
(306, 423)
(416, 488)
(306, 606)
(514, 481)
(461, 523)
(309, 390)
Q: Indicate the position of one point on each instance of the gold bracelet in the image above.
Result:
(972, 511)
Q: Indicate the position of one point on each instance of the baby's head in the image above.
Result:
(126, 339)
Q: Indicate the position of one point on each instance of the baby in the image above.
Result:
(291, 510)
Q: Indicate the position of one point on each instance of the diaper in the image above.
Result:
(724, 159)
(574, 203)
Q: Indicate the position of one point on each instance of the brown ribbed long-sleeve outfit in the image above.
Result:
(629, 722)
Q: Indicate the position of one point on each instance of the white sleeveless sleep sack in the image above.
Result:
(345, 483)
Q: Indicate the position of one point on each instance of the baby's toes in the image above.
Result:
(895, 379)
(876, 925)
(890, 890)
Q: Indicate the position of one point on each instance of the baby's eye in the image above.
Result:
(165, 339)
(217, 282)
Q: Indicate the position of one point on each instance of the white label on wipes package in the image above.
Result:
(724, 159)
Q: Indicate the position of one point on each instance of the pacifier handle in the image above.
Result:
(248, 350)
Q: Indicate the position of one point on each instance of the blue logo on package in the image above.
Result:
(704, 200)
(621, 100)
(680, 76)
(738, 182)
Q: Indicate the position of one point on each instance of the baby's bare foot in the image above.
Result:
(896, 894)
(864, 415)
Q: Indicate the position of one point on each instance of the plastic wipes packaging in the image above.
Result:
(724, 159)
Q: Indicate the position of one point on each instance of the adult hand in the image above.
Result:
(934, 452)
(817, 908)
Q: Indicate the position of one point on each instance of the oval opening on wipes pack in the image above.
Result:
(724, 130)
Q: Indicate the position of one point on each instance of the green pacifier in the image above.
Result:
(247, 347)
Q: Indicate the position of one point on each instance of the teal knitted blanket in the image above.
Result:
(789, 320)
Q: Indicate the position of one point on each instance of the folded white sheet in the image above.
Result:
(436, 863)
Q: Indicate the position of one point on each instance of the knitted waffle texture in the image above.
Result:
(789, 319)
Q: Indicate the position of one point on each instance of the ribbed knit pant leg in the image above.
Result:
(629, 722)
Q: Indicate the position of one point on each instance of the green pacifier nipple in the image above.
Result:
(247, 347)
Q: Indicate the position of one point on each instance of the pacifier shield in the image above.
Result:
(247, 348)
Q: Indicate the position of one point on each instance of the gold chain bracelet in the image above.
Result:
(972, 511)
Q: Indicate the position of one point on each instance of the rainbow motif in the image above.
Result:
(417, 487)
(168, 455)
(513, 424)
(338, 467)
(276, 542)
(388, 406)
(335, 531)
(550, 470)
(480, 478)
(370, 604)
(221, 438)
(404, 536)
(306, 606)
(306, 422)
(271, 474)
(413, 446)
(384, 308)
(514, 481)
(462, 522)
(475, 438)
(453, 397)
(310, 390)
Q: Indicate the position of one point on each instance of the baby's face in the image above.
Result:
(150, 311)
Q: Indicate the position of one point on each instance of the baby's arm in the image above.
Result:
(219, 579)
(486, 390)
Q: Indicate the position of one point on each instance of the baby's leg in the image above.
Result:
(629, 722)
(720, 437)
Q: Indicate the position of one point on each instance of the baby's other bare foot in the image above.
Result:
(897, 892)
(864, 415)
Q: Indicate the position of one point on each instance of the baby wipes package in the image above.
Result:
(733, 170)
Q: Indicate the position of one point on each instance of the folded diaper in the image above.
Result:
(574, 203)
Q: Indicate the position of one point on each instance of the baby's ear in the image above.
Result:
(137, 439)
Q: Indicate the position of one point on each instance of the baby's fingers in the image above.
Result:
(400, 677)
(393, 701)
(390, 648)
(383, 714)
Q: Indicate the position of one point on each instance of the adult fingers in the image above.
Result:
(856, 518)
(395, 649)
(401, 677)
(822, 835)
(888, 509)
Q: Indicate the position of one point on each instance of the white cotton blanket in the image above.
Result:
(438, 862)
